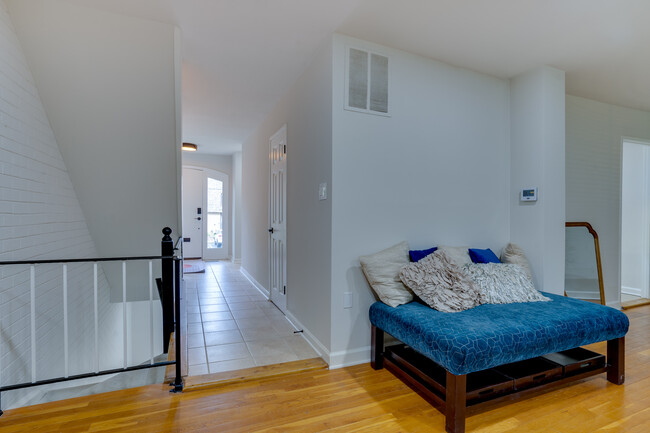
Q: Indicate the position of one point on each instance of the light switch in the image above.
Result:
(322, 191)
(347, 300)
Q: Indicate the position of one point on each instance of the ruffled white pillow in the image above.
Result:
(501, 283)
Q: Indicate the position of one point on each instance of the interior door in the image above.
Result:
(216, 237)
(192, 213)
(277, 217)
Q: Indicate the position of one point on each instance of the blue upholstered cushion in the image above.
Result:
(490, 335)
(483, 256)
(417, 255)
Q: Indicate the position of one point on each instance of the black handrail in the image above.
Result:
(96, 259)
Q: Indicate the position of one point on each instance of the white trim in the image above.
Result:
(254, 282)
(314, 342)
(235, 261)
(634, 291)
(583, 295)
(645, 232)
(615, 304)
(346, 358)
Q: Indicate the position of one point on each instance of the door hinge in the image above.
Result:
(284, 149)
(284, 290)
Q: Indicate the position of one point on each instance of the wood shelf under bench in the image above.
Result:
(459, 396)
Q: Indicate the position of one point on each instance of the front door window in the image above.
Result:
(215, 214)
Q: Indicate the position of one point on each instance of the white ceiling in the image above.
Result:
(240, 56)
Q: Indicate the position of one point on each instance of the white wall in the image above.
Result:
(222, 163)
(108, 85)
(537, 134)
(634, 218)
(40, 217)
(435, 172)
(594, 131)
(306, 110)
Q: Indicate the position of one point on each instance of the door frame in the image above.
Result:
(279, 299)
(645, 229)
(219, 175)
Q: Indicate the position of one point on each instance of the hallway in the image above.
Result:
(231, 325)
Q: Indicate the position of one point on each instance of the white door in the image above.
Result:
(216, 239)
(192, 213)
(277, 218)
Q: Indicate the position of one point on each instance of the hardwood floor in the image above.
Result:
(351, 399)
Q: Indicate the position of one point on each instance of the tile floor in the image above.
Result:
(231, 325)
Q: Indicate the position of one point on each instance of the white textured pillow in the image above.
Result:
(457, 255)
(441, 284)
(501, 283)
(513, 254)
(382, 272)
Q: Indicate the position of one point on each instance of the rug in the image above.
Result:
(193, 266)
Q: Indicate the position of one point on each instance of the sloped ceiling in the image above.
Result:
(241, 56)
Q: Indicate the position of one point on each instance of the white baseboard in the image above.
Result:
(310, 338)
(236, 261)
(583, 295)
(254, 282)
(346, 358)
(615, 304)
(631, 291)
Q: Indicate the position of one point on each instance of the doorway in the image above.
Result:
(205, 214)
(635, 222)
(277, 218)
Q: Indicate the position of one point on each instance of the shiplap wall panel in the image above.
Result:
(40, 217)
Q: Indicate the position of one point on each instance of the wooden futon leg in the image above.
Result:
(455, 403)
(616, 360)
(377, 348)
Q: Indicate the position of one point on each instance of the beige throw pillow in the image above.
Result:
(457, 255)
(382, 272)
(513, 254)
(441, 284)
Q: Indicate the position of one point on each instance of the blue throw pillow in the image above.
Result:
(417, 255)
(483, 256)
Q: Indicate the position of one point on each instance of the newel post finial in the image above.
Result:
(167, 231)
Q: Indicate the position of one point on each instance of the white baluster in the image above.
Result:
(124, 311)
(65, 319)
(151, 310)
(32, 291)
(96, 318)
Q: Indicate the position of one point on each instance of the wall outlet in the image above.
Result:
(322, 191)
(347, 300)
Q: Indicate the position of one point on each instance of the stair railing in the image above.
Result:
(171, 264)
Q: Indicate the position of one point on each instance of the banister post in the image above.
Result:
(167, 296)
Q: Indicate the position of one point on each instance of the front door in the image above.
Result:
(277, 217)
(192, 213)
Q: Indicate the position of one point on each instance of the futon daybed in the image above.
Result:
(467, 361)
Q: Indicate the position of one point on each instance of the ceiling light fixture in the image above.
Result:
(189, 147)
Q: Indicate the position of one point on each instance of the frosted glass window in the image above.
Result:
(215, 217)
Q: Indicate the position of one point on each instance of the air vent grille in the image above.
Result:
(367, 82)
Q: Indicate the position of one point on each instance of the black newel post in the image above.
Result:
(167, 296)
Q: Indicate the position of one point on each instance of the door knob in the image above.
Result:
(198, 219)
(271, 230)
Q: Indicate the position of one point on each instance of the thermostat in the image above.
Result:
(529, 194)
